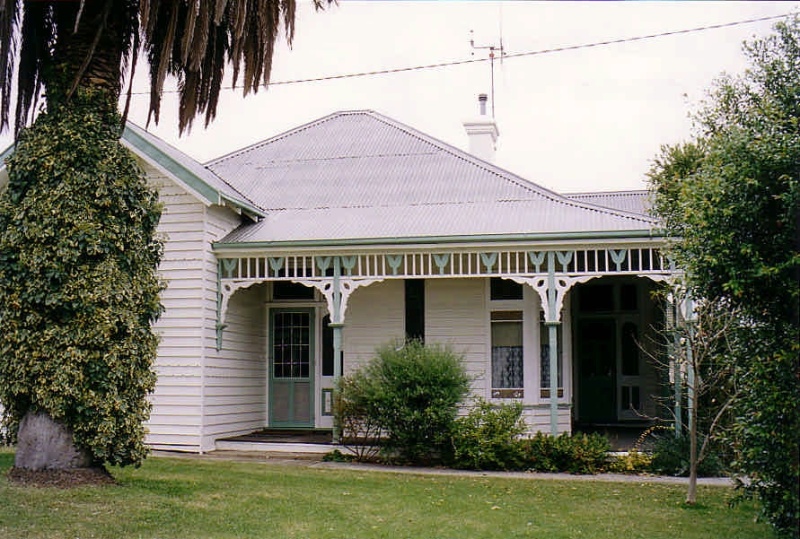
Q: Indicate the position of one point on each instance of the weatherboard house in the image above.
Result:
(290, 261)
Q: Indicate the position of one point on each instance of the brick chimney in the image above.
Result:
(482, 133)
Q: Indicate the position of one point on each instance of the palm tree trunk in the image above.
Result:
(87, 57)
(88, 52)
(45, 444)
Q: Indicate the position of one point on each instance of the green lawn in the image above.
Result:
(187, 498)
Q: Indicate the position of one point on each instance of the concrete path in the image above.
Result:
(604, 477)
(315, 462)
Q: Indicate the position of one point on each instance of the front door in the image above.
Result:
(291, 401)
(596, 345)
(608, 344)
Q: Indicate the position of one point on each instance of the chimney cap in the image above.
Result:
(482, 98)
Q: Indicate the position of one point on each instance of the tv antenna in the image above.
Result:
(493, 49)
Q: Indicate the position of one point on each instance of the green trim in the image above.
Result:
(178, 170)
(487, 238)
(247, 208)
(170, 164)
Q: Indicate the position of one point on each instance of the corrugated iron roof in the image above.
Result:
(628, 201)
(359, 174)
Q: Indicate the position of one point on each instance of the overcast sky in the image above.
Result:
(586, 119)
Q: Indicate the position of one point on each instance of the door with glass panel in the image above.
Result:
(291, 358)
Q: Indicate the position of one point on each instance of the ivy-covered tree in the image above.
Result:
(731, 200)
(78, 288)
(78, 250)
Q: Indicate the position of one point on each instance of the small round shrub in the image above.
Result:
(488, 438)
(671, 457)
(411, 393)
(572, 453)
(632, 462)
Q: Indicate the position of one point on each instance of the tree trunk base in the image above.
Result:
(45, 444)
(60, 478)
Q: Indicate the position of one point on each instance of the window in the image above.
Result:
(631, 398)
(507, 373)
(597, 298)
(291, 345)
(415, 309)
(327, 348)
(503, 289)
(544, 336)
(628, 297)
(287, 290)
(630, 349)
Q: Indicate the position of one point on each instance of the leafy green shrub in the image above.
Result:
(572, 453)
(338, 456)
(671, 457)
(411, 393)
(634, 461)
(488, 438)
(357, 416)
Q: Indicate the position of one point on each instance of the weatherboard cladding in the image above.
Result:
(359, 174)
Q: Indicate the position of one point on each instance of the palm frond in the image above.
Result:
(193, 40)
(213, 34)
(37, 35)
(9, 24)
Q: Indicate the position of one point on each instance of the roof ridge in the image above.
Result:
(501, 172)
(311, 160)
(282, 135)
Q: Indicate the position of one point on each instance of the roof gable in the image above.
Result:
(195, 178)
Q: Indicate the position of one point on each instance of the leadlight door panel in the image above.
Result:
(292, 367)
(630, 379)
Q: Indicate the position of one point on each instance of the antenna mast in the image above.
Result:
(491, 49)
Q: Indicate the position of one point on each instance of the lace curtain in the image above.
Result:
(545, 363)
(507, 367)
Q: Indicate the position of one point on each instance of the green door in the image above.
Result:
(597, 364)
(291, 402)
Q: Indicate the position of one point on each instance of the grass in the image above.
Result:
(187, 498)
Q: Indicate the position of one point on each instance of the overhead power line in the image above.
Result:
(506, 56)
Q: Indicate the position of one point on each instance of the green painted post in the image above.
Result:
(553, 336)
(336, 325)
(552, 326)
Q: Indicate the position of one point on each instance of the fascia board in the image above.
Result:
(161, 160)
